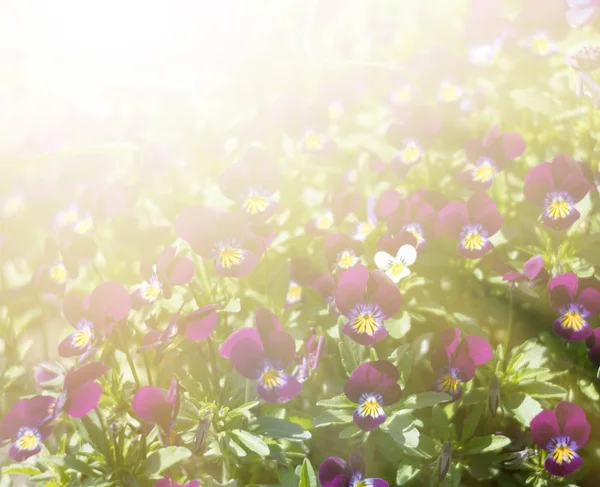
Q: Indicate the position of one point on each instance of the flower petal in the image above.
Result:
(383, 260)
(379, 377)
(408, 254)
(237, 336)
(538, 183)
(570, 334)
(573, 423)
(544, 426)
(247, 357)
(280, 395)
(83, 399)
(533, 267)
(563, 289)
(478, 349)
(368, 423)
(201, 323)
(590, 299)
(78, 377)
(563, 469)
(151, 404)
(363, 338)
(332, 468)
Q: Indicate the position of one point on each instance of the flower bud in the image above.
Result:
(201, 439)
(50, 375)
(444, 462)
(494, 396)
(517, 459)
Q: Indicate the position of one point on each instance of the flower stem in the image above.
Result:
(148, 368)
(507, 334)
(106, 436)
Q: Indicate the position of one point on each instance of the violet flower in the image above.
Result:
(556, 187)
(488, 156)
(96, 315)
(26, 424)
(472, 223)
(455, 360)
(533, 275)
(367, 299)
(364, 228)
(167, 482)
(335, 472)
(373, 385)
(252, 182)
(342, 252)
(317, 143)
(307, 358)
(593, 345)
(158, 279)
(575, 303)
(263, 353)
(561, 433)
(156, 406)
(222, 236)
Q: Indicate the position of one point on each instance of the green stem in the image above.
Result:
(508, 333)
(148, 368)
(213, 361)
(130, 361)
(106, 436)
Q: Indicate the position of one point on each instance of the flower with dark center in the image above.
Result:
(556, 187)
(263, 353)
(455, 360)
(335, 472)
(373, 385)
(342, 252)
(367, 299)
(575, 303)
(561, 433)
(472, 224)
(308, 358)
(533, 274)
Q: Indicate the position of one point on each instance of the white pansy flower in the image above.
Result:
(397, 267)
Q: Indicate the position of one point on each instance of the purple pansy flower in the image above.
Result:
(533, 274)
(263, 353)
(342, 251)
(252, 182)
(372, 386)
(364, 228)
(455, 360)
(156, 406)
(317, 143)
(25, 423)
(593, 345)
(167, 482)
(575, 306)
(304, 274)
(472, 223)
(561, 433)
(488, 156)
(170, 270)
(96, 315)
(557, 186)
(335, 472)
(222, 236)
(367, 299)
(307, 358)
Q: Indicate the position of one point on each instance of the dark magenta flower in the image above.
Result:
(263, 353)
(342, 251)
(252, 182)
(455, 360)
(488, 156)
(224, 237)
(556, 187)
(593, 345)
(304, 274)
(472, 224)
(156, 406)
(307, 358)
(574, 305)
(367, 299)
(158, 279)
(25, 423)
(561, 433)
(167, 482)
(335, 472)
(96, 315)
(372, 386)
(317, 143)
(533, 275)
(81, 393)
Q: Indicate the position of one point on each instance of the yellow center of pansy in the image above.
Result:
(563, 454)
(540, 44)
(255, 204)
(559, 208)
(82, 337)
(396, 268)
(313, 141)
(58, 273)
(449, 93)
(483, 173)
(84, 226)
(325, 221)
(473, 240)
(365, 323)
(370, 407)
(271, 379)
(411, 154)
(28, 441)
(230, 257)
(347, 259)
(152, 291)
(449, 383)
(572, 320)
(294, 293)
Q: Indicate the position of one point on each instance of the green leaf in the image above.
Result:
(406, 473)
(280, 428)
(424, 400)
(237, 449)
(483, 444)
(402, 429)
(20, 469)
(589, 389)
(339, 401)
(71, 462)
(470, 424)
(523, 407)
(307, 475)
(544, 390)
(332, 416)
(252, 442)
(399, 327)
(233, 306)
(350, 432)
(162, 459)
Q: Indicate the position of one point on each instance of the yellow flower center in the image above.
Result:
(559, 208)
(28, 441)
(271, 379)
(572, 320)
(365, 323)
(402, 95)
(347, 259)
(449, 383)
(294, 293)
(84, 226)
(230, 257)
(410, 154)
(313, 141)
(58, 273)
(255, 204)
(152, 292)
(540, 44)
(473, 241)
(449, 93)
(483, 173)
(324, 222)
(370, 407)
(562, 454)
(396, 268)
(364, 229)
(82, 337)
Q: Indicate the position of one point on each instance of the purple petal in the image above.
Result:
(387, 297)
(289, 390)
(368, 423)
(201, 323)
(280, 348)
(67, 349)
(513, 145)
(452, 218)
(478, 349)
(573, 423)
(237, 336)
(377, 483)
(590, 299)
(482, 209)
(363, 338)
(197, 226)
(512, 276)
(151, 404)
(380, 377)
(357, 276)
(247, 356)
(593, 344)
(562, 469)
(576, 185)
(561, 223)
(357, 464)
(89, 372)
(182, 272)
(20, 455)
(533, 267)
(331, 469)
(26, 412)
(544, 427)
(538, 183)
(111, 300)
(348, 297)
(266, 322)
(388, 203)
(465, 366)
(83, 399)
(475, 254)
(570, 334)
(562, 290)
(243, 269)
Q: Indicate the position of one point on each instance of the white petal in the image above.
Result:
(383, 260)
(407, 254)
(405, 272)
